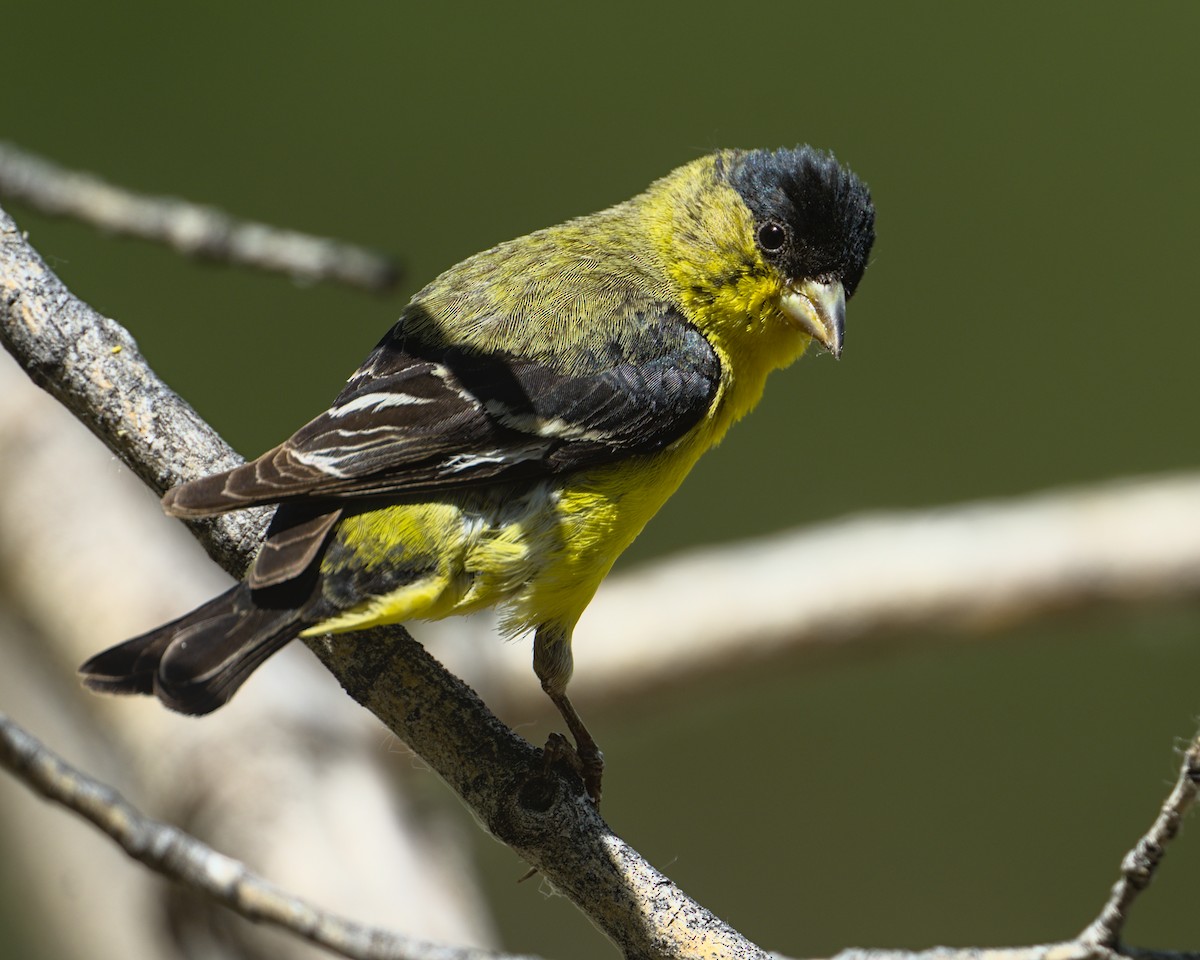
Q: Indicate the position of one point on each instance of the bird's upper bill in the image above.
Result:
(819, 309)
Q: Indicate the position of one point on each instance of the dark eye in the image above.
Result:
(772, 236)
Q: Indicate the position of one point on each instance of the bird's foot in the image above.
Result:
(584, 758)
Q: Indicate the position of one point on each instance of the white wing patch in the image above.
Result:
(378, 401)
(554, 428)
(466, 461)
(321, 461)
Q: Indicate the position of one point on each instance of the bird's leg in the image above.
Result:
(552, 662)
(591, 760)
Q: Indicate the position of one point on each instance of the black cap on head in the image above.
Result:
(824, 210)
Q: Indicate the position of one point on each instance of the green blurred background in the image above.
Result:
(1028, 321)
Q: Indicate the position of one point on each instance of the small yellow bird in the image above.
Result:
(530, 411)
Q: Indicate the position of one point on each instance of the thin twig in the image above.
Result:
(1067, 950)
(180, 856)
(191, 229)
(1141, 863)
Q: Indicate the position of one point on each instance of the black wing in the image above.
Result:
(420, 418)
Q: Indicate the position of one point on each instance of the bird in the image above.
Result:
(516, 428)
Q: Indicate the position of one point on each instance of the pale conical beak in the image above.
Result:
(819, 309)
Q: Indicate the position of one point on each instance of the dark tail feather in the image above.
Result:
(196, 663)
(247, 485)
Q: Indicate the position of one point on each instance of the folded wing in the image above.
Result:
(420, 418)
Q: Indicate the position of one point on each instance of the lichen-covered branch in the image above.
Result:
(91, 365)
(188, 228)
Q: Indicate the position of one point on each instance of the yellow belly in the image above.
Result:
(539, 555)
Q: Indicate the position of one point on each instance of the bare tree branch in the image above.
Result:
(92, 366)
(1068, 950)
(177, 855)
(194, 230)
(1141, 863)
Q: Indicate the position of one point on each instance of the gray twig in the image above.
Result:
(180, 856)
(192, 229)
(1067, 950)
(1141, 863)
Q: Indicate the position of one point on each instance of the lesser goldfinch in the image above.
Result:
(530, 411)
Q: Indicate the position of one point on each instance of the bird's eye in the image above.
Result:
(772, 236)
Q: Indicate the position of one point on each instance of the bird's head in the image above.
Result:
(814, 224)
(777, 236)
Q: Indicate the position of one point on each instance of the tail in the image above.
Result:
(196, 663)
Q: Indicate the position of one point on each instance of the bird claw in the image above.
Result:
(588, 764)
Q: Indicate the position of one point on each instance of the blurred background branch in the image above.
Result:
(960, 571)
(191, 229)
(169, 851)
